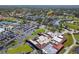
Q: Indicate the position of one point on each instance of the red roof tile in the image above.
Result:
(58, 46)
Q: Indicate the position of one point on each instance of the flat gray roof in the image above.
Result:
(50, 49)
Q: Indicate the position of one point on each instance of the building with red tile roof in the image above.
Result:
(58, 46)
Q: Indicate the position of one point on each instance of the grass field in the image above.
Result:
(38, 31)
(67, 43)
(72, 26)
(76, 36)
(69, 40)
(20, 49)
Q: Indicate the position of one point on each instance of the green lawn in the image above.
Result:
(38, 31)
(72, 26)
(35, 33)
(76, 36)
(30, 37)
(69, 40)
(20, 49)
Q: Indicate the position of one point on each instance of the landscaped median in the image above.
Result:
(24, 48)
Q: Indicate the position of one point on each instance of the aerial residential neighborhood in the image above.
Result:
(39, 29)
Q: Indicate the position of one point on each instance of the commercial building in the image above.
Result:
(49, 43)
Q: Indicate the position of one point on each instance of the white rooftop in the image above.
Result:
(60, 36)
(43, 39)
(46, 38)
(50, 33)
(50, 49)
(57, 39)
(2, 29)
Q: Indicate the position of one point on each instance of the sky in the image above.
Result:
(40, 6)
